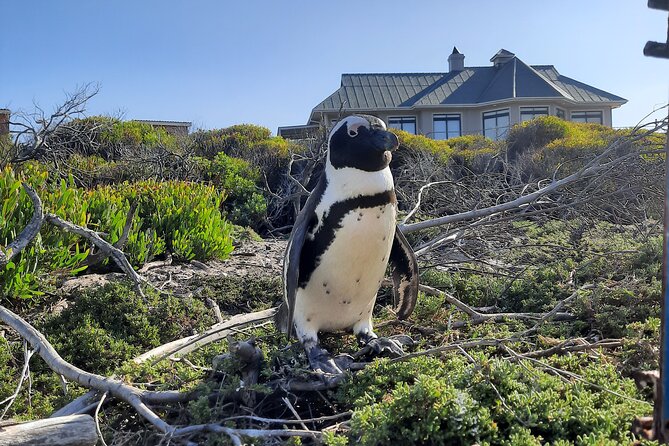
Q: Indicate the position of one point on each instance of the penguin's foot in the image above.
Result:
(392, 346)
(328, 369)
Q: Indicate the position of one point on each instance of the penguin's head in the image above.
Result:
(361, 142)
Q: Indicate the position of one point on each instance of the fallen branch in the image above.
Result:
(236, 434)
(572, 345)
(75, 430)
(215, 333)
(103, 245)
(29, 232)
(137, 398)
(477, 317)
(94, 259)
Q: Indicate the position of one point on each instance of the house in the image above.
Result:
(174, 128)
(466, 100)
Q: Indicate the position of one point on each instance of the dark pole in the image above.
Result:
(660, 414)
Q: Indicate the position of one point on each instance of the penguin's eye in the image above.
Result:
(352, 133)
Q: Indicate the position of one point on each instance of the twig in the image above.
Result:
(236, 433)
(553, 312)
(97, 420)
(27, 354)
(450, 348)
(571, 375)
(567, 346)
(420, 197)
(289, 421)
(478, 317)
(290, 407)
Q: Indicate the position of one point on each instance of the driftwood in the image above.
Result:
(75, 430)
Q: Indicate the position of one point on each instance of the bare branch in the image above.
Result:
(29, 232)
(113, 252)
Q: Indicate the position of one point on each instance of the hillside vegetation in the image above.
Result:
(528, 331)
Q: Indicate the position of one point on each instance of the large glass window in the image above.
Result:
(527, 113)
(587, 116)
(496, 124)
(446, 126)
(406, 123)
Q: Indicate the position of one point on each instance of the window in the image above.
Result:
(446, 126)
(406, 123)
(496, 124)
(527, 113)
(587, 116)
(560, 113)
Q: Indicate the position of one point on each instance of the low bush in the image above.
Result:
(107, 326)
(491, 401)
(245, 204)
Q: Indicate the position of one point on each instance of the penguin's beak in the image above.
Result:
(384, 140)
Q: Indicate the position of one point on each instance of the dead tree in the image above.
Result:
(33, 137)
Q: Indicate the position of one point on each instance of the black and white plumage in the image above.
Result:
(342, 241)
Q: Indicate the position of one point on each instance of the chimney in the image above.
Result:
(4, 121)
(456, 61)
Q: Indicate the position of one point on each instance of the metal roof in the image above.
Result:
(471, 86)
(165, 123)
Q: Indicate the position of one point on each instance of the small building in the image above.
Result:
(4, 121)
(174, 128)
(465, 100)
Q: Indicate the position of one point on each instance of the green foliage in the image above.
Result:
(441, 149)
(451, 401)
(181, 217)
(208, 143)
(133, 133)
(110, 325)
(625, 267)
(245, 204)
(242, 294)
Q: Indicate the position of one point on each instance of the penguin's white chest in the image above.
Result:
(342, 289)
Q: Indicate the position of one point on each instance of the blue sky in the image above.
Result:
(218, 63)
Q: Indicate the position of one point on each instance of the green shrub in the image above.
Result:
(231, 140)
(181, 217)
(107, 326)
(452, 401)
(245, 204)
(441, 149)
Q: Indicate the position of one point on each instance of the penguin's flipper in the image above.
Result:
(405, 275)
(291, 262)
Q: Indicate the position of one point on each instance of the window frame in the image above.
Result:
(502, 112)
(447, 117)
(597, 113)
(402, 118)
(533, 112)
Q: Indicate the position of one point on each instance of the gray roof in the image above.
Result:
(471, 86)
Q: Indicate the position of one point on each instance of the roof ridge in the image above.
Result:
(550, 83)
(499, 72)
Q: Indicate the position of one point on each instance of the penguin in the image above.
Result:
(342, 242)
